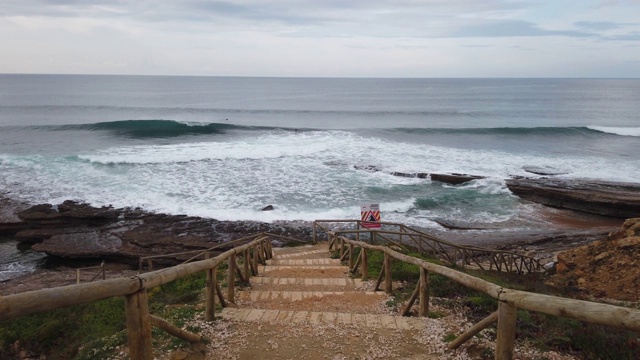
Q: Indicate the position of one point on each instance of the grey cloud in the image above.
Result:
(632, 36)
(511, 28)
(601, 25)
(60, 8)
(266, 10)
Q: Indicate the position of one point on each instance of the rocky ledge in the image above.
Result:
(616, 199)
(76, 230)
(607, 198)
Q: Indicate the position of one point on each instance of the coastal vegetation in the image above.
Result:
(97, 330)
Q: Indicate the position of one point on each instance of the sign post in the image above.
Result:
(370, 216)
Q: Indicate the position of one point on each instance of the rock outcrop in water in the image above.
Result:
(453, 178)
(616, 199)
(76, 230)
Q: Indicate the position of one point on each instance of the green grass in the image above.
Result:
(59, 333)
(91, 331)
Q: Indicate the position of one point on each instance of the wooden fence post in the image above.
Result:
(507, 315)
(315, 233)
(138, 326)
(267, 249)
(424, 293)
(365, 264)
(247, 270)
(255, 259)
(387, 273)
(231, 278)
(210, 293)
(261, 258)
(350, 256)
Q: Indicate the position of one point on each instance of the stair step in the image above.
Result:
(307, 262)
(304, 267)
(332, 318)
(265, 280)
(300, 295)
(302, 253)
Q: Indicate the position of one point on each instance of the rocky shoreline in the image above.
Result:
(74, 231)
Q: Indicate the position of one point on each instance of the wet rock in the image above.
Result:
(454, 178)
(615, 199)
(79, 231)
(463, 225)
(543, 170)
(369, 168)
(267, 208)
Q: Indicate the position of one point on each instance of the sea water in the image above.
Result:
(224, 147)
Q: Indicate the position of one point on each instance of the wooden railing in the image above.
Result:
(134, 289)
(100, 272)
(205, 253)
(453, 254)
(509, 301)
(139, 320)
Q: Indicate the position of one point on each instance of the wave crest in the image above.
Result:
(622, 131)
(159, 128)
(514, 131)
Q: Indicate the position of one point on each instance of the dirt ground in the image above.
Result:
(606, 268)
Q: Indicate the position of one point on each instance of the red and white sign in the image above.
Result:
(370, 216)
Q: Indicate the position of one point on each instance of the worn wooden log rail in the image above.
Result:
(453, 254)
(100, 272)
(204, 254)
(508, 300)
(134, 290)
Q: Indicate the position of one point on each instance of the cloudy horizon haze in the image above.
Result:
(316, 38)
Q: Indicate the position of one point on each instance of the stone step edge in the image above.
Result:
(256, 295)
(328, 318)
(303, 267)
(302, 253)
(299, 262)
(276, 281)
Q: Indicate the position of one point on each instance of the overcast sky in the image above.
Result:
(342, 38)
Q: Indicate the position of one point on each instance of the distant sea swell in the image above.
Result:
(172, 128)
(524, 131)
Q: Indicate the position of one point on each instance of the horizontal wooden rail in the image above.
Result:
(29, 302)
(198, 253)
(509, 301)
(134, 290)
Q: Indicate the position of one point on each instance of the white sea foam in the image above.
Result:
(623, 131)
(232, 180)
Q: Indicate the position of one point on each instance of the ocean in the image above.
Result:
(225, 147)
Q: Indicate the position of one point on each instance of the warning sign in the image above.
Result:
(370, 216)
